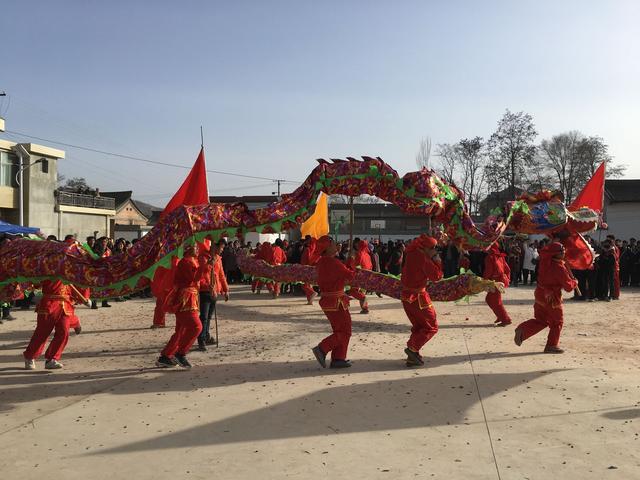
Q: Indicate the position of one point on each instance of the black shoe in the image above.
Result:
(340, 364)
(414, 357)
(78, 330)
(106, 305)
(201, 347)
(555, 349)
(8, 317)
(94, 305)
(320, 356)
(165, 362)
(182, 361)
(410, 363)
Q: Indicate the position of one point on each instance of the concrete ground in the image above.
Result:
(259, 406)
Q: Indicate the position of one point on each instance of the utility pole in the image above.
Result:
(278, 192)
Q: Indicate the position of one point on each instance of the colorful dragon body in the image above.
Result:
(445, 290)
(420, 193)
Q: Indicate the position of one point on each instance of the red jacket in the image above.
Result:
(309, 255)
(56, 294)
(212, 273)
(184, 295)
(496, 267)
(333, 275)
(278, 257)
(362, 258)
(553, 277)
(264, 252)
(417, 271)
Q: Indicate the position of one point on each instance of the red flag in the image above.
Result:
(578, 253)
(592, 195)
(193, 190)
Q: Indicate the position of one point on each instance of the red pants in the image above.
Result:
(256, 285)
(74, 322)
(188, 327)
(308, 291)
(545, 316)
(55, 319)
(494, 300)
(338, 342)
(159, 313)
(616, 283)
(424, 324)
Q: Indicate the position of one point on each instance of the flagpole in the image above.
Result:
(201, 138)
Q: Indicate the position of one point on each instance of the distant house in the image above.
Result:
(254, 202)
(133, 217)
(382, 221)
(43, 205)
(622, 208)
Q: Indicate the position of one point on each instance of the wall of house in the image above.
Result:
(39, 200)
(128, 214)
(623, 219)
(82, 225)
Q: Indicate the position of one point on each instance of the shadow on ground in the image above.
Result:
(20, 386)
(418, 402)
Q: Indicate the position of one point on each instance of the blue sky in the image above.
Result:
(277, 84)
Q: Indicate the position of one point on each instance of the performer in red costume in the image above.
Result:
(332, 277)
(497, 269)
(616, 269)
(160, 287)
(360, 258)
(277, 257)
(262, 253)
(55, 312)
(422, 265)
(553, 277)
(184, 302)
(212, 284)
(79, 295)
(310, 258)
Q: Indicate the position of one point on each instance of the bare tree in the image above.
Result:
(449, 162)
(571, 159)
(560, 156)
(472, 160)
(511, 150)
(423, 157)
(592, 152)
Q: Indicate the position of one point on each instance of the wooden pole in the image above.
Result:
(77, 292)
(351, 218)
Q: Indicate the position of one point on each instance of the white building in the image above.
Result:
(622, 208)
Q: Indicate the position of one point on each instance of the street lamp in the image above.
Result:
(21, 168)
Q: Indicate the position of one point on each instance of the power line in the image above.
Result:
(139, 159)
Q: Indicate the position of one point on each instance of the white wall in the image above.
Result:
(623, 220)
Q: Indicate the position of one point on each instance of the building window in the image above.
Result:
(8, 169)
(45, 165)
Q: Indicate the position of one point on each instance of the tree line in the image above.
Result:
(511, 161)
